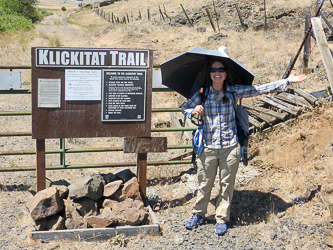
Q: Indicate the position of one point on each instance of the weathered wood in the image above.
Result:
(141, 173)
(254, 122)
(145, 144)
(280, 104)
(188, 18)
(323, 48)
(240, 17)
(262, 116)
(264, 111)
(97, 234)
(306, 53)
(40, 167)
(310, 98)
(296, 100)
(329, 25)
(210, 19)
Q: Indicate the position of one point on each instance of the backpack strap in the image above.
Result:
(233, 94)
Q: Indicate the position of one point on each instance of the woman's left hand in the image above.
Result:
(294, 78)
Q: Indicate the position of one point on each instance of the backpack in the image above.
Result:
(242, 124)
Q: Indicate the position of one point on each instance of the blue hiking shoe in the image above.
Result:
(221, 228)
(194, 221)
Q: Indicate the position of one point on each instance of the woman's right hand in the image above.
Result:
(198, 110)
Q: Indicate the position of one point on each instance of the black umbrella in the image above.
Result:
(186, 73)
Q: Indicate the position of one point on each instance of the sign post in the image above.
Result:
(88, 92)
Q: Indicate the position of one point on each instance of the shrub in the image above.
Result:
(63, 8)
(18, 14)
(14, 22)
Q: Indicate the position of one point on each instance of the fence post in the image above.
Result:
(142, 173)
(265, 15)
(148, 14)
(327, 22)
(217, 20)
(240, 17)
(161, 13)
(323, 48)
(40, 160)
(210, 19)
(63, 153)
(188, 18)
(306, 45)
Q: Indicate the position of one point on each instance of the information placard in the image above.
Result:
(49, 93)
(83, 85)
(124, 95)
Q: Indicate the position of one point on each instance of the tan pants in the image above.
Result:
(210, 160)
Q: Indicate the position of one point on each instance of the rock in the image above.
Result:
(118, 196)
(45, 203)
(201, 29)
(217, 37)
(108, 214)
(131, 216)
(109, 177)
(109, 203)
(131, 189)
(40, 225)
(111, 188)
(307, 149)
(55, 222)
(90, 186)
(128, 212)
(33, 188)
(86, 206)
(97, 222)
(125, 175)
(121, 206)
(70, 210)
(78, 223)
(63, 191)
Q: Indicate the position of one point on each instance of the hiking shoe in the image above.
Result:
(194, 221)
(221, 228)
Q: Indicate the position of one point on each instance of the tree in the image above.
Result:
(24, 8)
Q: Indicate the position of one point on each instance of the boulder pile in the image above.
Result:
(94, 201)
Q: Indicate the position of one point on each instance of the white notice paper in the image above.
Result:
(49, 93)
(83, 85)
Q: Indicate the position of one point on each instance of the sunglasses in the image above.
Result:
(214, 70)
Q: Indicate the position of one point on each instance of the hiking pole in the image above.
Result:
(292, 63)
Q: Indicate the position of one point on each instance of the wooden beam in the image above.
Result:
(296, 100)
(142, 173)
(262, 116)
(264, 111)
(40, 168)
(310, 98)
(279, 104)
(254, 122)
(323, 48)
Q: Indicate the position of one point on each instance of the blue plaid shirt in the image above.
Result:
(219, 128)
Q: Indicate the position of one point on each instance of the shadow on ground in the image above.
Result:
(248, 206)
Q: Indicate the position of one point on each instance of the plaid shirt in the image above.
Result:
(219, 127)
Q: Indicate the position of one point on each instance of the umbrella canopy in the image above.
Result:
(186, 73)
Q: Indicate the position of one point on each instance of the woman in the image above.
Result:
(221, 148)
